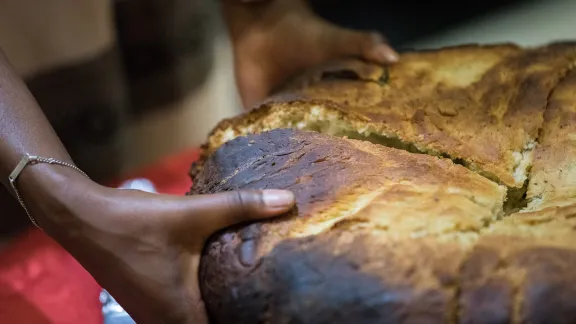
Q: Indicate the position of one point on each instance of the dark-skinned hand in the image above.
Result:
(276, 39)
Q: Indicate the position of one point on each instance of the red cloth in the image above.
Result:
(40, 283)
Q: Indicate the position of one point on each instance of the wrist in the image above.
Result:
(49, 191)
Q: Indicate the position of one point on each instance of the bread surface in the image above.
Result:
(553, 176)
(483, 105)
(438, 190)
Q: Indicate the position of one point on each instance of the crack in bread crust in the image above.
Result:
(553, 180)
(382, 234)
(480, 105)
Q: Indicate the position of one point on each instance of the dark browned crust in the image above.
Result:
(303, 281)
(374, 280)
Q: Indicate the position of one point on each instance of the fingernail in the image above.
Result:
(278, 198)
(388, 54)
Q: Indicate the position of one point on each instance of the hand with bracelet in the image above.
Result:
(145, 248)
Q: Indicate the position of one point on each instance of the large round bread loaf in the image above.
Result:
(438, 190)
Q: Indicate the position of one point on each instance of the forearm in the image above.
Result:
(23, 126)
(25, 129)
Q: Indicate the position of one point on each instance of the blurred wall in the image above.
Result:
(410, 24)
(123, 82)
(527, 23)
(39, 36)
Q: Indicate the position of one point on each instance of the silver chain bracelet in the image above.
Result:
(31, 160)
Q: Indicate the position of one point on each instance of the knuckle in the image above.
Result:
(242, 205)
(241, 199)
(238, 199)
(247, 200)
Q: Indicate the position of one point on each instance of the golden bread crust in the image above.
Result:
(553, 175)
(381, 234)
(481, 104)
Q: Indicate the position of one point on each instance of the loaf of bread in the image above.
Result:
(441, 189)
